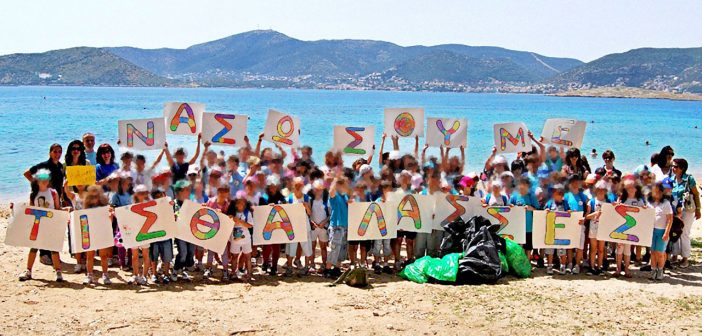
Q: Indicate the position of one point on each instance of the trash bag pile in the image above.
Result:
(473, 253)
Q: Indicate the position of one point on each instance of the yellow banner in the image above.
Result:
(80, 175)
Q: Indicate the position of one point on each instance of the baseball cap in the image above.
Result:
(394, 155)
(140, 188)
(466, 182)
(180, 185)
(365, 168)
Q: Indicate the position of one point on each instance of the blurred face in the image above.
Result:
(141, 196)
(125, 183)
(232, 165)
(240, 205)
(89, 141)
(656, 193)
(222, 195)
(75, 151)
(676, 170)
(306, 152)
(43, 184)
(524, 188)
(553, 154)
(574, 186)
(93, 193)
(250, 188)
(113, 184)
(211, 158)
(318, 192)
(630, 188)
(558, 196)
(180, 157)
(107, 157)
(184, 194)
(140, 164)
(298, 186)
(496, 188)
(499, 168)
(55, 154)
(342, 186)
(405, 179)
(127, 162)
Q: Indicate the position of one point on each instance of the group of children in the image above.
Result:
(544, 178)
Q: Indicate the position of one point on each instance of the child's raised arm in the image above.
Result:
(380, 157)
(169, 157)
(158, 160)
(197, 150)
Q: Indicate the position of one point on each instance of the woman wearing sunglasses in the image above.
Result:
(686, 197)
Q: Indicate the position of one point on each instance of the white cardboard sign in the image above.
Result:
(91, 229)
(368, 221)
(449, 208)
(204, 227)
(36, 227)
(626, 224)
(280, 224)
(413, 213)
(447, 132)
(144, 223)
(556, 229)
(511, 138)
(183, 118)
(354, 140)
(404, 122)
(224, 128)
(282, 129)
(564, 132)
(511, 218)
(142, 134)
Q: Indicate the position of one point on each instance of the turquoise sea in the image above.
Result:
(31, 118)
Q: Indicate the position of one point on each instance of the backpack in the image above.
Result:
(676, 229)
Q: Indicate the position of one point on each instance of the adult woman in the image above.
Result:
(75, 156)
(574, 164)
(105, 163)
(662, 168)
(687, 200)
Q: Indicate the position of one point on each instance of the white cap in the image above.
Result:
(140, 188)
(499, 160)
(193, 170)
(394, 155)
(364, 169)
(272, 179)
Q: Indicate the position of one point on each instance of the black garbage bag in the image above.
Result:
(454, 234)
(481, 253)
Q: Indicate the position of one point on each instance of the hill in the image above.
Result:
(664, 69)
(74, 66)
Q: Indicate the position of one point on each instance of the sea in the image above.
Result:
(32, 118)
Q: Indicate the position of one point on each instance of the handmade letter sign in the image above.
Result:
(280, 224)
(282, 129)
(37, 228)
(224, 129)
(511, 138)
(411, 212)
(143, 134)
(404, 122)
(91, 229)
(557, 229)
(447, 132)
(626, 224)
(144, 223)
(367, 221)
(449, 208)
(204, 227)
(512, 220)
(564, 132)
(354, 140)
(183, 118)
(80, 175)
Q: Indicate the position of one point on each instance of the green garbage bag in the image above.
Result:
(415, 271)
(503, 263)
(517, 260)
(444, 269)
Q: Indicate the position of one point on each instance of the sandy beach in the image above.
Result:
(539, 305)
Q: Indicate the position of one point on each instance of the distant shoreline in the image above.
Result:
(628, 92)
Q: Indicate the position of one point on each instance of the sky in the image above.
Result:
(585, 30)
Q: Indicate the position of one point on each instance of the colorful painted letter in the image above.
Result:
(282, 128)
(357, 139)
(37, 214)
(370, 221)
(36, 227)
(626, 224)
(204, 227)
(564, 132)
(373, 210)
(551, 227)
(219, 137)
(91, 229)
(280, 224)
(224, 129)
(412, 212)
(512, 221)
(183, 118)
(404, 122)
(146, 134)
(147, 139)
(511, 137)
(147, 222)
(283, 135)
(212, 225)
(629, 223)
(178, 118)
(556, 229)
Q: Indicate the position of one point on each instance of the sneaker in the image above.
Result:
(77, 269)
(576, 269)
(59, 276)
(549, 270)
(225, 275)
(540, 263)
(654, 274)
(207, 273)
(106, 280)
(336, 272)
(273, 271)
(173, 277)
(590, 271)
(661, 274)
(46, 260)
(132, 280)
(154, 278)
(141, 281)
(387, 269)
(288, 271)
(297, 263)
(685, 264)
(586, 264)
(377, 269)
(240, 274)
(88, 280)
(569, 269)
(646, 268)
(266, 267)
(26, 275)
(601, 272)
(668, 265)
(562, 270)
(185, 276)
(167, 279)
(326, 273)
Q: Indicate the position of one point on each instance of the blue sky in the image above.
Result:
(581, 29)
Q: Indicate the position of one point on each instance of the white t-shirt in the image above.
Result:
(496, 201)
(143, 177)
(318, 212)
(45, 199)
(240, 235)
(635, 202)
(598, 207)
(663, 209)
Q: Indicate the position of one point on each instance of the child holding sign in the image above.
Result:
(240, 241)
(141, 194)
(556, 203)
(594, 210)
(631, 195)
(48, 198)
(95, 198)
(661, 230)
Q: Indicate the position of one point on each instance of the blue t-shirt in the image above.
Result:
(236, 183)
(92, 157)
(533, 181)
(688, 182)
(554, 165)
(555, 206)
(119, 200)
(526, 200)
(339, 210)
(103, 171)
(576, 202)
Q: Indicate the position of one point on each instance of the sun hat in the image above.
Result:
(601, 185)
(417, 181)
(193, 170)
(394, 155)
(240, 195)
(499, 160)
(318, 184)
(140, 188)
(591, 178)
(253, 161)
(365, 168)
(42, 175)
(507, 174)
(272, 180)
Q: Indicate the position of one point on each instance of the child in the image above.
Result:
(294, 250)
(164, 249)
(338, 224)
(75, 196)
(44, 197)
(319, 219)
(95, 198)
(272, 196)
(359, 195)
(661, 230)
(240, 242)
(556, 203)
(631, 195)
(594, 210)
(384, 244)
(186, 251)
(141, 194)
(525, 197)
(179, 167)
(404, 180)
(577, 201)
(221, 203)
(119, 199)
(496, 197)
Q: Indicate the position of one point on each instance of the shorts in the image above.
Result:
(529, 237)
(291, 248)
(367, 244)
(624, 249)
(164, 249)
(657, 243)
(320, 234)
(337, 245)
(240, 248)
(406, 235)
(383, 244)
(593, 230)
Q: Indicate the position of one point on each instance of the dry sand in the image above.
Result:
(291, 306)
